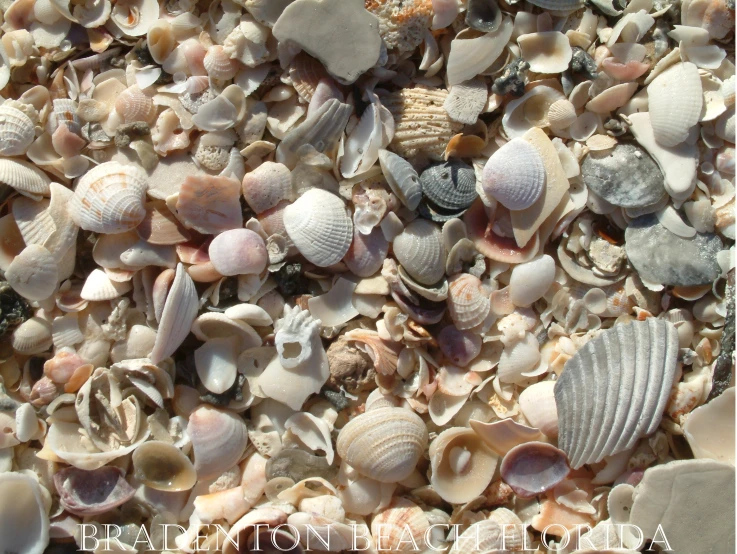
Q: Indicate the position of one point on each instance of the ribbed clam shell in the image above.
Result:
(402, 178)
(399, 521)
(468, 301)
(514, 175)
(675, 100)
(219, 65)
(32, 336)
(367, 252)
(133, 105)
(267, 185)
(180, 310)
(421, 124)
(98, 286)
(16, 131)
(319, 226)
(561, 114)
(628, 373)
(384, 444)
(450, 185)
(24, 177)
(420, 250)
(33, 273)
(109, 198)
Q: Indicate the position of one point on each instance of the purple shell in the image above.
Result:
(90, 493)
(460, 347)
(532, 468)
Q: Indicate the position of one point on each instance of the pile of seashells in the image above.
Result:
(446, 275)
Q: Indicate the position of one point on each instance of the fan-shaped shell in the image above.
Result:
(533, 468)
(109, 198)
(219, 65)
(133, 105)
(16, 131)
(32, 336)
(628, 371)
(450, 185)
(219, 438)
(398, 521)
(367, 253)
(162, 466)
(238, 252)
(675, 100)
(420, 250)
(530, 110)
(319, 226)
(514, 175)
(24, 177)
(24, 520)
(94, 492)
(468, 301)
(267, 185)
(33, 273)
(384, 444)
(402, 178)
(561, 114)
(547, 52)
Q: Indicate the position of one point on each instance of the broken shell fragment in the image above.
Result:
(26, 512)
(533, 468)
(94, 492)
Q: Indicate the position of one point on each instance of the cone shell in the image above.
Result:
(17, 131)
(629, 371)
(468, 301)
(419, 248)
(319, 226)
(514, 175)
(109, 198)
(24, 177)
(219, 438)
(384, 444)
(675, 100)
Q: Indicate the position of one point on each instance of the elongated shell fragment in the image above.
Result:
(627, 373)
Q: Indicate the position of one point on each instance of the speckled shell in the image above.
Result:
(24, 177)
(384, 444)
(628, 372)
(514, 175)
(109, 198)
(419, 248)
(468, 301)
(321, 229)
(675, 100)
(450, 185)
(421, 124)
(16, 131)
(402, 178)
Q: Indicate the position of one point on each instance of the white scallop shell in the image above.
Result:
(402, 178)
(109, 198)
(561, 114)
(17, 131)
(24, 177)
(675, 100)
(468, 301)
(420, 250)
(180, 310)
(33, 273)
(628, 371)
(318, 224)
(98, 286)
(32, 336)
(514, 175)
(547, 52)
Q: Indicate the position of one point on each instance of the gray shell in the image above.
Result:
(450, 185)
(559, 5)
(402, 178)
(614, 390)
(483, 15)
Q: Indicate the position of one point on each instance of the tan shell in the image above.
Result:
(17, 131)
(33, 273)
(219, 438)
(32, 336)
(468, 301)
(162, 466)
(133, 105)
(24, 177)
(209, 204)
(400, 524)
(384, 444)
(24, 522)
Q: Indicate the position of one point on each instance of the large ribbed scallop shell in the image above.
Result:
(24, 177)
(450, 185)
(514, 175)
(109, 198)
(318, 224)
(384, 444)
(675, 100)
(402, 178)
(16, 131)
(468, 301)
(627, 373)
(421, 124)
(419, 248)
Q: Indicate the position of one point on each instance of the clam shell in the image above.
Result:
(547, 52)
(514, 175)
(98, 286)
(468, 301)
(629, 371)
(219, 65)
(180, 310)
(533, 468)
(419, 248)
(17, 131)
(705, 425)
(109, 198)
(531, 280)
(402, 178)
(384, 444)
(24, 177)
(210, 204)
(472, 54)
(400, 524)
(133, 105)
(561, 114)
(530, 110)
(33, 273)
(32, 336)
(162, 466)
(367, 253)
(219, 439)
(24, 522)
(450, 185)
(216, 363)
(675, 100)
(319, 226)
(238, 252)
(159, 226)
(267, 185)
(537, 403)
(91, 493)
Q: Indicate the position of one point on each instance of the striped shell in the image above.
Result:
(384, 444)
(109, 198)
(419, 248)
(133, 105)
(33, 273)
(402, 178)
(318, 224)
(16, 131)
(675, 100)
(628, 372)
(468, 301)
(514, 175)
(219, 65)
(24, 177)
(450, 185)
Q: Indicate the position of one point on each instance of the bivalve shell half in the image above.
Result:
(384, 444)
(94, 492)
(367, 253)
(450, 185)
(319, 226)
(514, 175)
(219, 439)
(17, 131)
(24, 177)
(33, 273)
(547, 52)
(533, 468)
(162, 466)
(109, 198)
(675, 99)
(468, 301)
(210, 204)
(238, 252)
(420, 250)
(401, 524)
(402, 178)
(531, 280)
(267, 185)
(24, 521)
(179, 311)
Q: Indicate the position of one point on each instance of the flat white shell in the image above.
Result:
(675, 100)
(33, 273)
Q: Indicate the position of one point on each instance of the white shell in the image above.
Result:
(675, 100)
(17, 131)
(109, 198)
(530, 110)
(32, 336)
(33, 273)
(420, 250)
(468, 301)
(470, 56)
(518, 358)
(531, 280)
(219, 438)
(537, 403)
(98, 286)
(548, 52)
(24, 177)
(628, 371)
(179, 312)
(215, 362)
(238, 252)
(24, 522)
(705, 428)
(402, 178)
(514, 175)
(319, 226)
(135, 17)
(561, 114)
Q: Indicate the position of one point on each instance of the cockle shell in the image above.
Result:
(420, 250)
(180, 309)
(219, 65)
(267, 185)
(219, 438)
(514, 175)
(530, 110)
(238, 252)
(319, 226)
(468, 301)
(24, 522)
(32, 336)
(629, 370)
(133, 105)
(109, 198)
(33, 273)
(17, 131)
(401, 525)
(462, 465)
(561, 114)
(384, 444)
(675, 100)
(450, 185)
(533, 468)
(210, 204)
(94, 492)
(162, 466)
(24, 177)
(402, 178)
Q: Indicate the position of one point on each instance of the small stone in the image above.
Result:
(339, 33)
(642, 184)
(14, 310)
(662, 257)
(512, 80)
(581, 62)
(129, 132)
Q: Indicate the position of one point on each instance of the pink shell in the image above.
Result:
(89, 493)
(238, 252)
(533, 468)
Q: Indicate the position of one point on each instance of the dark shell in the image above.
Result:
(483, 15)
(450, 185)
(14, 309)
(90, 493)
(460, 347)
(532, 468)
